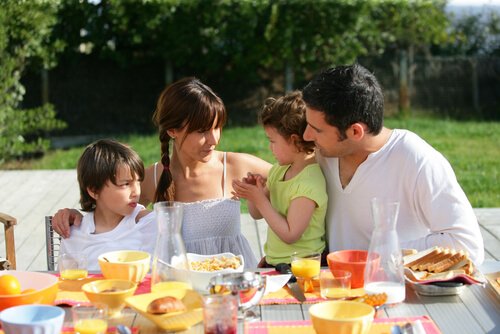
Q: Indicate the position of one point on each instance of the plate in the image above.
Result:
(175, 321)
(439, 289)
(492, 279)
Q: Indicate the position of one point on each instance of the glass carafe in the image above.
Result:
(170, 262)
(384, 270)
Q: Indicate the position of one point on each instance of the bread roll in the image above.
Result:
(166, 304)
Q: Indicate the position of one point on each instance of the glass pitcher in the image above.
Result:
(384, 270)
(170, 262)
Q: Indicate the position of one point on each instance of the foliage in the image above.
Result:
(474, 34)
(24, 34)
(22, 131)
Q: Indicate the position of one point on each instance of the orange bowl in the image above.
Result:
(44, 285)
(353, 260)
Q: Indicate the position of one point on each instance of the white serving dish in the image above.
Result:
(200, 279)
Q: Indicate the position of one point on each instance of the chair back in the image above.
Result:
(53, 244)
(10, 247)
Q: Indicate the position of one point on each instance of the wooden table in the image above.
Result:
(475, 310)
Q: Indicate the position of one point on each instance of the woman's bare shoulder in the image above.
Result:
(245, 162)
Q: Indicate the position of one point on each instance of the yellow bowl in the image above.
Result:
(43, 289)
(111, 292)
(125, 264)
(341, 317)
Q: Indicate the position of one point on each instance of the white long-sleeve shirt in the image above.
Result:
(434, 209)
(127, 235)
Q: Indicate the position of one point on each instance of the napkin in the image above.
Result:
(275, 282)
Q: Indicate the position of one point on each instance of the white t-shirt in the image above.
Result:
(128, 234)
(434, 209)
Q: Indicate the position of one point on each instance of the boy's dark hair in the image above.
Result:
(347, 94)
(99, 163)
(287, 115)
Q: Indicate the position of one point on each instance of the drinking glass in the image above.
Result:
(220, 314)
(335, 284)
(89, 319)
(306, 266)
(73, 266)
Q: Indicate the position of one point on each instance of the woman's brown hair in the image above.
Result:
(190, 104)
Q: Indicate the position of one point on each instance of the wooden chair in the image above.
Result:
(10, 247)
(53, 244)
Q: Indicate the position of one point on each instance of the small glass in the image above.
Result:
(73, 266)
(89, 319)
(335, 284)
(220, 314)
(306, 266)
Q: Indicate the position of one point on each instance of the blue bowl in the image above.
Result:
(32, 319)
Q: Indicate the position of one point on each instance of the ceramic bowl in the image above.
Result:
(340, 317)
(32, 319)
(352, 260)
(39, 288)
(111, 292)
(200, 278)
(129, 265)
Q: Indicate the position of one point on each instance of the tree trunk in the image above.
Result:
(404, 99)
(289, 77)
(45, 85)
(169, 72)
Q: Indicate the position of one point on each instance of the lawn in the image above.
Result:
(473, 149)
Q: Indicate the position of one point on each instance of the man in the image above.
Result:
(362, 159)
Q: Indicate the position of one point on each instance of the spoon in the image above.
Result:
(122, 329)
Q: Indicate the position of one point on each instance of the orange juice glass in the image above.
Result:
(72, 266)
(89, 319)
(306, 266)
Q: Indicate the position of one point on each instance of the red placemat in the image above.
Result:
(379, 326)
(283, 295)
(111, 330)
(70, 292)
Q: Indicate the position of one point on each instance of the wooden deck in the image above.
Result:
(31, 195)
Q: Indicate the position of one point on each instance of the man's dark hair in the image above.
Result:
(347, 95)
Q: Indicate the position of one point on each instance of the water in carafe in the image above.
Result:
(384, 271)
(169, 260)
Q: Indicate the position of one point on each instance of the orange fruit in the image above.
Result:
(9, 285)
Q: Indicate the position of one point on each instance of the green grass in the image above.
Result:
(473, 149)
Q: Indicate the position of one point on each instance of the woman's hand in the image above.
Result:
(63, 219)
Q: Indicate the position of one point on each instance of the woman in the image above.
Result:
(190, 117)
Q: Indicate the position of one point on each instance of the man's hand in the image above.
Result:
(63, 219)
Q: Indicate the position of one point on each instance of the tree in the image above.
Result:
(406, 27)
(24, 33)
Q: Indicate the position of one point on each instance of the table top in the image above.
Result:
(475, 310)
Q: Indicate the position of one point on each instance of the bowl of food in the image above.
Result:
(204, 267)
(110, 292)
(129, 265)
(352, 260)
(32, 319)
(341, 316)
(26, 287)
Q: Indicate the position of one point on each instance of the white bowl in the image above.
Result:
(200, 279)
(32, 319)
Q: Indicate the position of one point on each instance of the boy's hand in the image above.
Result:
(63, 219)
